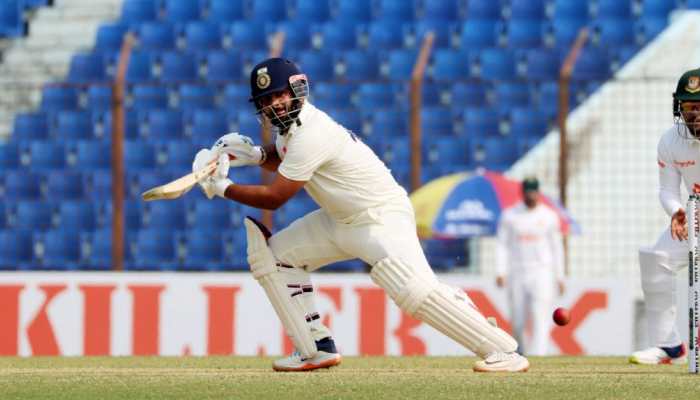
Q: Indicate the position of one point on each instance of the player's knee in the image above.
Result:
(407, 288)
(656, 276)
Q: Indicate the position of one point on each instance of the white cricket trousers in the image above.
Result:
(531, 295)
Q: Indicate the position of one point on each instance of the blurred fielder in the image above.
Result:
(678, 159)
(363, 214)
(529, 257)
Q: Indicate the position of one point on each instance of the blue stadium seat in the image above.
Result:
(86, 68)
(109, 37)
(192, 96)
(9, 156)
(333, 94)
(21, 185)
(692, 4)
(467, 94)
(247, 35)
(399, 66)
(396, 154)
(204, 251)
(177, 67)
(77, 215)
(497, 64)
(57, 97)
(217, 215)
(297, 34)
(354, 10)
(46, 154)
(32, 215)
(478, 34)
(335, 35)
(156, 36)
(179, 11)
(317, 65)
(657, 8)
(268, 11)
(201, 35)
(165, 215)
(480, 122)
(16, 249)
(447, 150)
(180, 154)
(358, 65)
(483, 10)
(132, 214)
(98, 255)
(541, 64)
(385, 34)
(354, 265)
(376, 94)
(99, 97)
(102, 124)
(348, 118)
(139, 155)
(443, 255)
(528, 122)
(223, 66)
(72, 125)
(11, 19)
(225, 10)
(146, 97)
(648, 28)
(138, 182)
(592, 63)
(613, 32)
(164, 125)
(527, 9)
(436, 121)
(495, 153)
(235, 250)
(311, 11)
(99, 184)
(444, 10)
(248, 124)
(207, 126)
(236, 96)
(561, 33)
(398, 10)
(3, 215)
(612, 9)
(432, 94)
(294, 209)
(64, 185)
(508, 95)
(570, 10)
(136, 11)
(61, 249)
(30, 126)
(386, 123)
(450, 65)
(524, 33)
(154, 249)
(139, 69)
(414, 33)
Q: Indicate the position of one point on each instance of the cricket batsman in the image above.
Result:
(678, 159)
(363, 214)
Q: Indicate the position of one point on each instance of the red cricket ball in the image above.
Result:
(561, 316)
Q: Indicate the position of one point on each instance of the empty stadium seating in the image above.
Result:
(486, 101)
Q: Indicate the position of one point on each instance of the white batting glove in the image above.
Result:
(216, 184)
(241, 149)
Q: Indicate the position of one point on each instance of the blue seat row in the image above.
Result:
(12, 16)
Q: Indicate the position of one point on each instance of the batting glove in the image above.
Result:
(216, 184)
(241, 150)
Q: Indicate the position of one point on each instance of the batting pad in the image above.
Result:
(447, 309)
(264, 267)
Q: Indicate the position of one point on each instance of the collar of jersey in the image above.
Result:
(304, 115)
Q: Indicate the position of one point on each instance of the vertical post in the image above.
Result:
(276, 46)
(118, 155)
(562, 115)
(693, 280)
(416, 91)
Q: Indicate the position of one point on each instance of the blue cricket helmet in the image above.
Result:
(275, 75)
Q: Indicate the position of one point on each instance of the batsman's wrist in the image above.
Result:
(260, 154)
(221, 185)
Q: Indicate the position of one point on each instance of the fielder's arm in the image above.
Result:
(269, 197)
(272, 159)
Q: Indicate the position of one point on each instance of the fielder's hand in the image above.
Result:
(216, 184)
(679, 227)
(241, 149)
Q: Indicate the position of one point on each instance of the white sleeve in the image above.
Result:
(502, 240)
(669, 181)
(557, 247)
(305, 154)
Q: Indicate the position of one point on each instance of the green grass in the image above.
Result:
(357, 378)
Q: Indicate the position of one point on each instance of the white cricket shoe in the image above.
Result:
(502, 362)
(295, 363)
(657, 355)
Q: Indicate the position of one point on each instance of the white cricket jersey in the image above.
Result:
(678, 158)
(342, 174)
(529, 240)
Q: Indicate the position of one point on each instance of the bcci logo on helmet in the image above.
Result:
(263, 80)
(693, 84)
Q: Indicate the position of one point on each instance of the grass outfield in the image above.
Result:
(357, 378)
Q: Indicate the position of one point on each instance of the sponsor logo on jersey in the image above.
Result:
(683, 164)
(693, 84)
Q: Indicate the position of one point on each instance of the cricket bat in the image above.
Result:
(178, 187)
